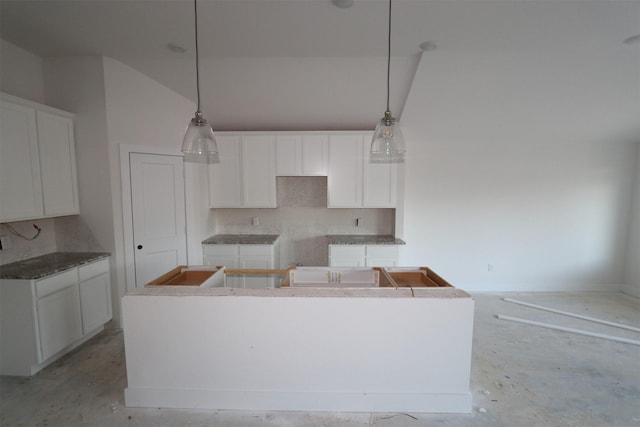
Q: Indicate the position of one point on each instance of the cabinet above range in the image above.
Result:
(250, 162)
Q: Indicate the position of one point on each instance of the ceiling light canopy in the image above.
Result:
(199, 145)
(387, 145)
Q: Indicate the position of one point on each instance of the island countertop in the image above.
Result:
(363, 239)
(47, 265)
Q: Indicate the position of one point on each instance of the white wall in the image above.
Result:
(21, 72)
(633, 256)
(509, 167)
(142, 112)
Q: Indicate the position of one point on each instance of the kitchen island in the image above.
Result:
(381, 349)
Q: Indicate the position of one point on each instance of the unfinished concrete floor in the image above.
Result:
(521, 376)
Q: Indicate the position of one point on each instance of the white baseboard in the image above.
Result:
(298, 401)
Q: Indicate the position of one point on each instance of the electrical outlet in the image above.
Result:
(255, 220)
(5, 242)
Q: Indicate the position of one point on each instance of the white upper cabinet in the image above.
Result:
(20, 183)
(345, 171)
(353, 181)
(245, 176)
(57, 164)
(302, 155)
(259, 171)
(37, 161)
(225, 178)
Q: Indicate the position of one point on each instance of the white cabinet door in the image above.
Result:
(380, 180)
(314, 155)
(95, 302)
(223, 256)
(246, 174)
(57, 164)
(59, 321)
(347, 255)
(288, 155)
(225, 178)
(302, 155)
(345, 171)
(257, 257)
(259, 171)
(381, 256)
(20, 183)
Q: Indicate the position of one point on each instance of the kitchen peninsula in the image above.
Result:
(371, 349)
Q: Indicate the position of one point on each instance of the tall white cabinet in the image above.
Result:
(37, 161)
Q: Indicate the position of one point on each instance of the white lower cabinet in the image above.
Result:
(95, 295)
(363, 255)
(246, 257)
(59, 321)
(346, 255)
(41, 320)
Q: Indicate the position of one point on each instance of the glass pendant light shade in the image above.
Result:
(387, 145)
(199, 145)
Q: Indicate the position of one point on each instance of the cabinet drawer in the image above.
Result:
(55, 283)
(220, 250)
(382, 251)
(94, 269)
(346, 251)
(250, 250)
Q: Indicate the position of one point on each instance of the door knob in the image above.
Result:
(139, 246)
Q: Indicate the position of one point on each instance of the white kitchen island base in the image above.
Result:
(352, 350)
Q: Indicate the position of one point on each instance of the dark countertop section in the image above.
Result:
(367, 239)
(47, 265)
(241, 239)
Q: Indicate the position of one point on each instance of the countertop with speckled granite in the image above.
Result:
(47, 265)
(367, 239)
(241, 239)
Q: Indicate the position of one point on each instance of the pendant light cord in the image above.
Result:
(195, 9)
(389, 57)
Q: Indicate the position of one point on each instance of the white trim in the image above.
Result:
(312, 401)
(127, 214)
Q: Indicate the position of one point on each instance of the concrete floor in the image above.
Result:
(521, 376)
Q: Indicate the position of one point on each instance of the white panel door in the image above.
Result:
(158, 204)
(20, 185)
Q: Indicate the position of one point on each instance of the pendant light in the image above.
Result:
(199, 144)
(387, 145)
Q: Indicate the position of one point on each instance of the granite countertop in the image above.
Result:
(366, 239)
(47, 265)
(241, 239)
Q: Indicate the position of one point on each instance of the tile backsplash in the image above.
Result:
(303, 220)
(68, 233)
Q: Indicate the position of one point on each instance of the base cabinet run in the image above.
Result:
(43, 319)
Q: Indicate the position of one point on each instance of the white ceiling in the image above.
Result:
(136, 32)
(312, 28)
